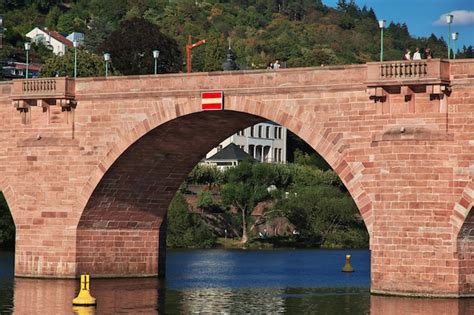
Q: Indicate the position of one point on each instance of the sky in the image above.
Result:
(424, 17)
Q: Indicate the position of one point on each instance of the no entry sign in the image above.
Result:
(212, 100)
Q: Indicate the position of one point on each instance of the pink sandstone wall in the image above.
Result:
(407, 164)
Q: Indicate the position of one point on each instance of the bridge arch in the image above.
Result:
(154, 142)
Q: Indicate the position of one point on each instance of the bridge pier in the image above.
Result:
(120, 253)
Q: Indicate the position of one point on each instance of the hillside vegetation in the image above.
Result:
(297, 32)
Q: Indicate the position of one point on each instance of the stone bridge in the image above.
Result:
(89, 166)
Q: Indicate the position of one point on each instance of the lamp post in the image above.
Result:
(381, 26)
(1, 32)
(449, 20)
(156, 54)
(107, 59)
(454, 36)
(75, 44)
(27, 48)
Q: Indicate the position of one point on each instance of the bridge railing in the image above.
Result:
(43, 88)
(436, 70)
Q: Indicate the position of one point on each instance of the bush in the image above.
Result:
(186, 230)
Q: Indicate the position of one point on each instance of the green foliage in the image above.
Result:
(312, 159)
(7, 226)
(325, 216)
(95, 35)
(184, 229)
(132, 44)
(88, 65)
(204, 200)
(205, 174)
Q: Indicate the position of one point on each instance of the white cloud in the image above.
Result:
(461, 17)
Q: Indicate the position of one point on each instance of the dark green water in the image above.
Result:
(226, 282)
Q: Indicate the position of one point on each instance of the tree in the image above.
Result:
(131, 47)
(244, 189)
(184, 229)
(324, 215)
(98, 30)
(88, 65)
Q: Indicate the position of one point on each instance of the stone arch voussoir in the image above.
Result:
(462, 208)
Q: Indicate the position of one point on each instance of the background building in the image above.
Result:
(265, 142)
(57, 42)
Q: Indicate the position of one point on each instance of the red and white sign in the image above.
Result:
(212, 100)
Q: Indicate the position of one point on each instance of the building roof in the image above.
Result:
(58, 37)
(231, 152)
(31, 66)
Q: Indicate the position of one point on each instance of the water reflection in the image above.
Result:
(114, 296)
(147, 296)
(397, 305)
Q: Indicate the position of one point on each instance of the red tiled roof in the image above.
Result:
(31, 66)
(59, 37)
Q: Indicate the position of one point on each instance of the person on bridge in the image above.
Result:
(417, 55)
(407, 55)
(428, 54)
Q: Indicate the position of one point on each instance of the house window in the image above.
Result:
(275, 155)
(251, 131)
(275, 132)
(268, 132)
(279, 132)
(259, 131)
(252, 151)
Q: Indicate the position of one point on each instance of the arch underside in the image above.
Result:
(129, 204)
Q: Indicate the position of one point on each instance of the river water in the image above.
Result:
(226, 282)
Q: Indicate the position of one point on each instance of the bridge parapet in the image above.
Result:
(408, 77)
(44, 88)
(43, 92)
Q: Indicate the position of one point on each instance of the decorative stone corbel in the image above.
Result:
(377, 94)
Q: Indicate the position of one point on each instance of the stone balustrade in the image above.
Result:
(424, 71)
(43, 88)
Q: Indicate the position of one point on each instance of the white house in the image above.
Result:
(265, 142)
(56, 41)
(229, 156)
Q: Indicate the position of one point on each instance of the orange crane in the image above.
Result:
(189, 48)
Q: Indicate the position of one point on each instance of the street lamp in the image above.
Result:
(454, 36)
(107, 59)
(449, 20)
(381, 26)
(27, 48)
(75, 44)
(1, 32)
(156, 54)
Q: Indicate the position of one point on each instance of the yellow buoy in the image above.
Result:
(84, 298)
(347, 267)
